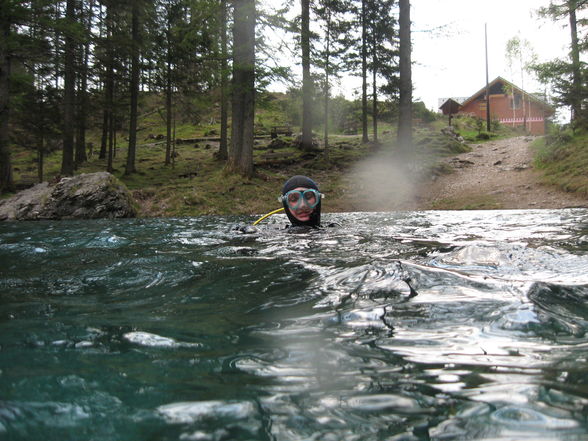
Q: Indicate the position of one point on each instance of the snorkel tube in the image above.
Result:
(267, 215)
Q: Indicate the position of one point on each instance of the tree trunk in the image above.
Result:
(306, 142)
(67, 163)
(168, 113)
(243, 105)
(104, 138)
(327, 86)
(173, 156)
(109, 166)
(576, 67)
(364, 105)
(40, 157)
(405, 105)
(134, 86)
(109, 90)
(168, 93)
(223, 152)
(80, 148)
(6, 179)
(80, 151)
(57, 44)
(103, 24)
(375, 96)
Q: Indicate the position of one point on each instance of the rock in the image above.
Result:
(297, 142)
(450, 131)
(278, 143)
(461, 163)
(86, 196)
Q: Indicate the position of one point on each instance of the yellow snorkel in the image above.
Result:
(267, 215)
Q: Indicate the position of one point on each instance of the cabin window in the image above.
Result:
(515, 102)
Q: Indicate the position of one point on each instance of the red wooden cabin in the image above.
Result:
(511, 106)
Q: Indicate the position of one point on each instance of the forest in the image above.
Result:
(80, 77)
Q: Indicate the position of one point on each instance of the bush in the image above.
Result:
(420, 111)
(558, 135)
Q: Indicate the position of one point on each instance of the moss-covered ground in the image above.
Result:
(563, 159)
(197, 183)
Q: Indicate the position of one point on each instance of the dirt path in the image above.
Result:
(497, 174)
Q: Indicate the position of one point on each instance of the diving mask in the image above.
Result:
(294, 198)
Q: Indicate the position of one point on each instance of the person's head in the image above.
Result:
(302, 201)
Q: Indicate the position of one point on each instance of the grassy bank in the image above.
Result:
(197, 183)
(563, 159)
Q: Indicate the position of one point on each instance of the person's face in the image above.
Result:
(302, 210)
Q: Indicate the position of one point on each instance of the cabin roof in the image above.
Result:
(501, 81)
(450, 106)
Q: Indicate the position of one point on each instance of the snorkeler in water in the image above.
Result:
(301, 199)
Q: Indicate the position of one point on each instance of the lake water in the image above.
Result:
(392, 326)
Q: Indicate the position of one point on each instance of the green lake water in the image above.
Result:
(405, 326)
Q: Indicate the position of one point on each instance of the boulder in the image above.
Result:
(86, 196)
(297, 142)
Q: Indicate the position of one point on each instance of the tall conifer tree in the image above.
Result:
(405, 105)
(69, 82)
(243, 87)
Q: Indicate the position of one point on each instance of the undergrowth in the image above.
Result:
(197, 183)
(563, 159)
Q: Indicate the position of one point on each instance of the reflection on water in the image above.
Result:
(396, 326)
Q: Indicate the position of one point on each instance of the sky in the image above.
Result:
(449, 51)
(451, 62)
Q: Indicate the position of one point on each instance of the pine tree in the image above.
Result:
(405, 104)
(383, 51)
(86, 18)
(307, 86)
(134, 87)
(67, 163)
(243, 87)
(6, 22)
(374, 52)
(333, 16)
(568, 78)
(364, 70)
(223, 152)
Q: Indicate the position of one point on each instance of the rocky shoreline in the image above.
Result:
(86, 196)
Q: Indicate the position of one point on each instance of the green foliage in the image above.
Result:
(420, 111)
(469, 202)
(472, 129)
(567, 77)
(558, 74)
(196, 183)
(563, 158)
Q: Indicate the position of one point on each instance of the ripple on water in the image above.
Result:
(412, 326)
(156, 341)
(192, 412)
(561, 309)
(525, 418)
(383, 402)
(214, 420)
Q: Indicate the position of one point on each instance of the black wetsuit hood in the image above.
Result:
(302, 181)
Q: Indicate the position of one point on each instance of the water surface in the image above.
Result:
(397, 326)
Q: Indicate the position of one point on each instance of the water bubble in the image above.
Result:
(191, 412)
(526, 417)
(382, 402)
(153, 340)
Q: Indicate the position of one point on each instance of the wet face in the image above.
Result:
(301, 210)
